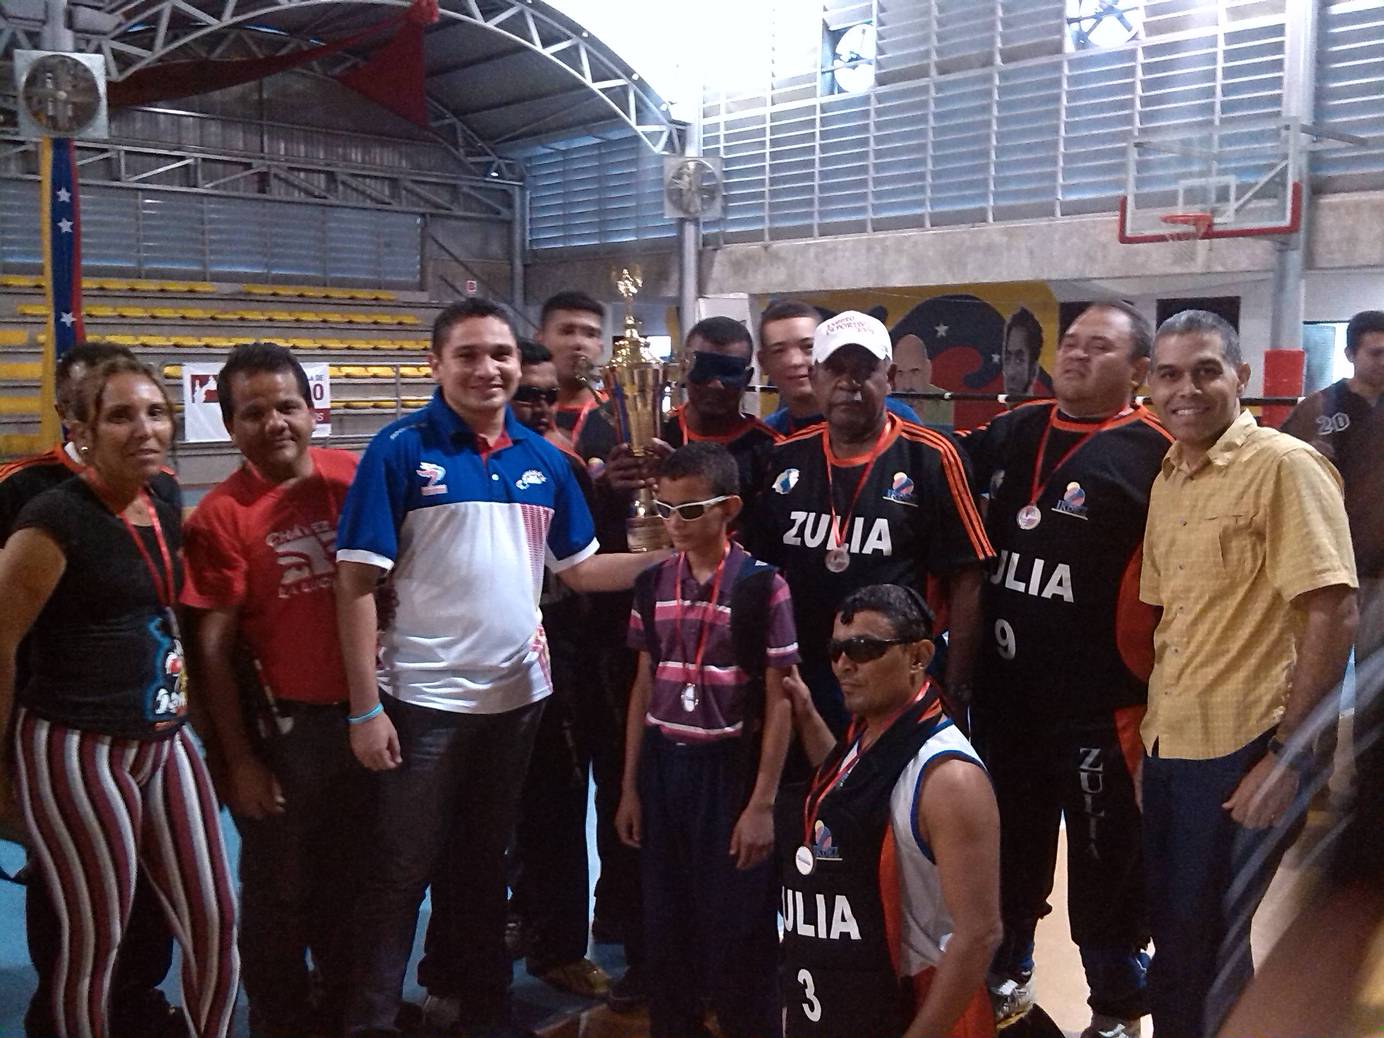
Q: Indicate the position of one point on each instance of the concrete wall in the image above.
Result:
(1080, 257)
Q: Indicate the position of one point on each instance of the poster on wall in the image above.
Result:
(993, 338)
(202, 408)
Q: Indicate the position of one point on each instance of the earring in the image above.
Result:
(83, 449)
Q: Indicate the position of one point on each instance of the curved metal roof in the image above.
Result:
(496, 71)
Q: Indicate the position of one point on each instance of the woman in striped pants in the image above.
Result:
(108, 782)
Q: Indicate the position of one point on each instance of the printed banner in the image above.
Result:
(202, 407)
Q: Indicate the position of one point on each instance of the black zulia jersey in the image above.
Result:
(914, 517)
(1065, 633)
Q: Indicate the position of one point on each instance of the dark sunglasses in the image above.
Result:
(690, 511)
(731, 372)
(534, 395)
(862, 648)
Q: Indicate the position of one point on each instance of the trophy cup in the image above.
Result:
(636, 382)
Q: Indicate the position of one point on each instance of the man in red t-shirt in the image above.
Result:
(260, 557)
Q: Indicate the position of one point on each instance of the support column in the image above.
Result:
(518, 246)
(1299, 102)
(56, 35)
(689, 241)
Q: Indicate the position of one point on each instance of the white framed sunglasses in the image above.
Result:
(688, 511)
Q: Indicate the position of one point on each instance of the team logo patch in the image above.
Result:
(531, 478)
(433, 475)
(1073, 501)
(902, 490)
(786, 481)
(823, 847)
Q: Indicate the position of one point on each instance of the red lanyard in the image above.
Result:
(163, 583)
(847, 765)
(703, 625)
(1036, 490)
(838, 533)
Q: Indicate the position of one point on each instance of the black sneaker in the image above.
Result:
(630, 993)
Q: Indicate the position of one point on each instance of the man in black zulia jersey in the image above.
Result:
(138, 1007)
(867, 498)
(1061, 678)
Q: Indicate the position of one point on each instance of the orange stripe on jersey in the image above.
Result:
(890, 895)
(977, 1020)
(815, 429)
(1151, 420)
(1134, 621)
(956, 482)
(49, 457)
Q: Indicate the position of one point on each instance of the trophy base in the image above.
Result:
(646, 533)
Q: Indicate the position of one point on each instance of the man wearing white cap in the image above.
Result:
(868, 498)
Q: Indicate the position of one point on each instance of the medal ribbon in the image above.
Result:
(163, 583)
(703, 625)
(838, 533)
(813, 804)
(1036, 490)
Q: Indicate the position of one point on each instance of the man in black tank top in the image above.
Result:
(898, 812)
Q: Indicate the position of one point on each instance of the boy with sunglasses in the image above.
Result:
(707, 731)
(891, 884)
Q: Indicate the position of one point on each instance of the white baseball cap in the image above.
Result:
(851, 328)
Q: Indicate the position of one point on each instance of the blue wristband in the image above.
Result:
(362, 718)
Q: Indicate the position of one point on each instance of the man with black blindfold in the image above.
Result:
(717, 370)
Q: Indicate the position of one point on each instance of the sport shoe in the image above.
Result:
(1103, 1026)
(629, 993)
(582, 977)
(441, 1014)
(1009, 998)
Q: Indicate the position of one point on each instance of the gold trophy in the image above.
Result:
(637, 383)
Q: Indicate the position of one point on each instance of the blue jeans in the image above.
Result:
(1206, 876)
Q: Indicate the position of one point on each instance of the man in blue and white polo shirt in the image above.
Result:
(461, 507)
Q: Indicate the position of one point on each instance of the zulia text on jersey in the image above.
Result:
(806, 915)
(810, 530)
(1033, 576)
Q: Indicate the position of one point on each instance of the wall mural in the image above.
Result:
(996, 338)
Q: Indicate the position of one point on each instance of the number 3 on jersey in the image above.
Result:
(812, 1009)
(1004, 640)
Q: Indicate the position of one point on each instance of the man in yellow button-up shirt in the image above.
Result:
(1248, 555)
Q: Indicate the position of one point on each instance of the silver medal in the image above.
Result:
(689, 697)
(805, 860)
(1029, 517)
(837, 560)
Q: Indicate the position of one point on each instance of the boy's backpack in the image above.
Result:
(749, 635)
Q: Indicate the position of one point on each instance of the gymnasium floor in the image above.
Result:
(1058, 979)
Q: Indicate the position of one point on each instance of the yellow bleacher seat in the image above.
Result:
(172, 371)
(358, 405)
(380, 371)
(137, 313)
(406, 319)
(13, 336)
(19, 405)
(356, 371)
(384, 405)
(124, 340)
(21, 371)
(160, 341)
(197, 313)
(414, 371)
(335, 371)
(98, 310)
(358, 344)
(165, 313)
(415, 402)
(32, 310)
(21, 280)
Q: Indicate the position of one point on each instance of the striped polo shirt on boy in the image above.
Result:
(684, 618)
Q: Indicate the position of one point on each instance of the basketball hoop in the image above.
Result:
(1186, 232)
